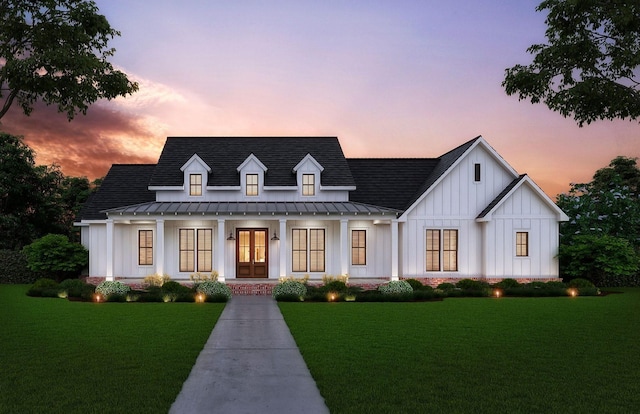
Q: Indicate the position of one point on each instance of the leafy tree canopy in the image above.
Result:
(588, 69)
(57, 51)
(621, 170)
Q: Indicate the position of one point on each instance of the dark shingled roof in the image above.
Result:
(398, 183)
(389, 182)
(500, 196)
(124, 184)
(224, 154)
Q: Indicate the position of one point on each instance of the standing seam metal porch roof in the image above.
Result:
(259, 208)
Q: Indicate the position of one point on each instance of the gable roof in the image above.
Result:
(225, 154)
(124, 184)
(524, 179)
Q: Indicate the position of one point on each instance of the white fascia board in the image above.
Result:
(195, 158)
(166, 188)
(253, 158)
(545, 198)
(306, 158)
(338, 187)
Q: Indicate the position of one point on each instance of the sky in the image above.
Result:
(388, 78)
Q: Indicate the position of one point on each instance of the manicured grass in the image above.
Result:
(58, 356)
(515, 355)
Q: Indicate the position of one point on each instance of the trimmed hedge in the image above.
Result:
(14, 270)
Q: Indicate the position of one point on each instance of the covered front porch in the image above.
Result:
(248, 241)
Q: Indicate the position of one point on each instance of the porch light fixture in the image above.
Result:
(231, 236)
(275, 237)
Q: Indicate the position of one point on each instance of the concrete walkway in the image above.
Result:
(250, 364)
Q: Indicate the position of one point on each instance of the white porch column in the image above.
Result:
(394, 249)
(344, 247)
(222, 248)
(109, 252)
(159, 246)
(283, 247)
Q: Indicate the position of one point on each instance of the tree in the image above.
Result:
(588, 68)
(621, 169)
(56, 51)
(34, 199)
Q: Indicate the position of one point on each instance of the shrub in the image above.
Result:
(415, 284)
(289, 287)
(108, 288)
(117, 297)
(326, 279)
(42, 284)
(13, 268)
(446, 286)
(199, 277)
(508, 283)
(156, 279)
(289, 297)
(336, 286)
(468, 284)
(175, 287)
(211, 289)
(555, 285)
(396, 287)
(56, 254)
(76, 288)
(580, 283)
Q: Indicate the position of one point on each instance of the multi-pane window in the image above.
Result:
(195, 250)
(358, 247)
(308, 184)
(252, 184)
(433, 250)
(442, 250)
(522, 243)
(308, 250)
(145, 247)
(450, 250)
(477, 173)
(195, 184)
(299, 243)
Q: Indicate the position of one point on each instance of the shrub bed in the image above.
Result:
(13, 268)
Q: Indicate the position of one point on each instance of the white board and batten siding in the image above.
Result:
(454, 203)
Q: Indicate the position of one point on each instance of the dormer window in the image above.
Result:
(252, 185)
(195, 184)
(308, 184)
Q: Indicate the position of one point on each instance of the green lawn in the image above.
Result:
(526, 355)
(58, 356)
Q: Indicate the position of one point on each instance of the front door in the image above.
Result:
(252, 253)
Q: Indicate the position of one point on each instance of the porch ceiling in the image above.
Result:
(252, 208)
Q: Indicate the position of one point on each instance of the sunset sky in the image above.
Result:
(388, 78)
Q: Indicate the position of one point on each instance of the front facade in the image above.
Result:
(265, 208)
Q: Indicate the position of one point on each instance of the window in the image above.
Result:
(308, 184)
(195, 249)
(299, 242)
(308, 253)
(433, 250)
(252, 184)
(442, 250)
(477, 173)
(358, 247)
(145, 247)
(195, 184)
(522, 244)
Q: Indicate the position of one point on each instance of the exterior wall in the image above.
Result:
(454, 203)
(523, 211)
(96, 243)
(264, 195)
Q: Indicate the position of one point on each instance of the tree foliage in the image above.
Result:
(54, 253)
(588, 69)
(601, 240)
(56, 51)
(34, 199)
